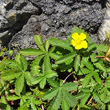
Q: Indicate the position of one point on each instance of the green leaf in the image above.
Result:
(39, 42)
(80, 95)
(9, 75)
(43, 83)
(60, 43)
(12, 65)
(55, 56)
(53, 83)
(19, 84)
(65, 58)
(47, 63)
(33, 106)
(29, 52)
(28, 77)
(64, 105)
(13, 97)
(37, 101)
(47, 45)
(87, 79)
(35, 66)
(100, 66)
(96, 97)
(108, 70)
(88, 64)
(77, 63)
(24, 106)
(37, 80)
(97, 78)
(51, 49)
(93, 59)
(50, 94)
(102, 48)
(24, 63)
(56, 102)
(50, 74)
(84, 99)
(17, 58)
(70, 86)
(70, 99)
(91, 46)
(85, 70)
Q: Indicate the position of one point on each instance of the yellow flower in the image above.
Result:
(78, 41)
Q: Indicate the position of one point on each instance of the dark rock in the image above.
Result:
(50, 18)
(14, 18)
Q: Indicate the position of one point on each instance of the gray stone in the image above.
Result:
(105, 27)
(14, 14)
(23, 18)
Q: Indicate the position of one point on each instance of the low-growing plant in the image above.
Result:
(65, 75)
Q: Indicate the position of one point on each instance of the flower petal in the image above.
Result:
(73, 42)
(75, 36)
(84, 44)
(82, 36)
(79, 46)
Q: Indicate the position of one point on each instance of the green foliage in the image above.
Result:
(58, 78)
(60, 96)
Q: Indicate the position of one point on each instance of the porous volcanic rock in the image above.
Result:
(21, 19)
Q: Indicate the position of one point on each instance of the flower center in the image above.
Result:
(79, 41)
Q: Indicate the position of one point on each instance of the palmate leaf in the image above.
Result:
(61, 97)
(60, 43)
(29, 52)
(19, 84)
(43, 78)
(65, 58)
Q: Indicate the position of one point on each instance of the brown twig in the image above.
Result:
(67, 77)
(42, 107)
(90, 100)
